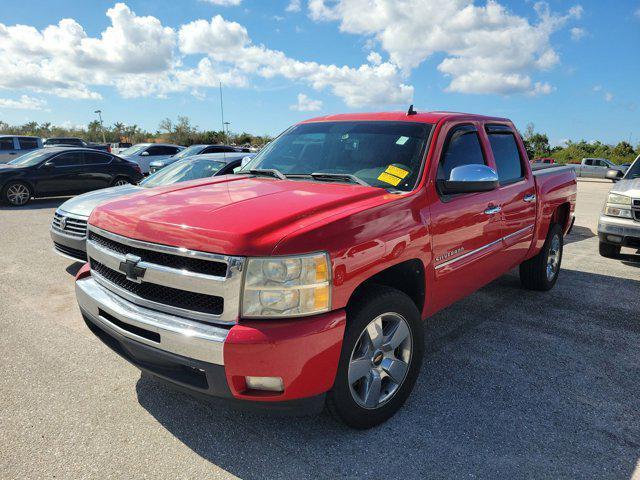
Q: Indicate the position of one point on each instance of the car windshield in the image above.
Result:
(182, 171)
(382, 154)
(31, 159)
(187, 152)
(634, 170)
(133, 150)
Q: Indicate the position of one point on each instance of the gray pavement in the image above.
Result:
(514, 384)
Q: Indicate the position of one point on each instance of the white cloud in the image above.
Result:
(578, 33)
(306, 104)
(374, 58)
(294, 6)
(224, 3)
(597, 88)
(637, 12)
(608, 96)
(487, 48)
(25, 102)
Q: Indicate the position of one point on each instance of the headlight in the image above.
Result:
(619, 199)
(617, 212)
(286, 286)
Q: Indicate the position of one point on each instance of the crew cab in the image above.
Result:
(75, 142)
(305, 279)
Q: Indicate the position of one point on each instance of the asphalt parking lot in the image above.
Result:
(514, 384)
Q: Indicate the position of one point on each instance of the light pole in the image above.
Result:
(99, 112)
(226, 124)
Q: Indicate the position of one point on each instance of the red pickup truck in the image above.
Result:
(304, 280)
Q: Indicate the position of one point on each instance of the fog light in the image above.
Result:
(614, 238)
(272, 384)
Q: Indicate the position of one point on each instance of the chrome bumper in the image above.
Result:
(176, 335)
(624, 227)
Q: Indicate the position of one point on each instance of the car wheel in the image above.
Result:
(120, 181)
(17, 194)
(608, 250)
(380, 359)
(541, 272)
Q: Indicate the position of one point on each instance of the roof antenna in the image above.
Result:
(411, 111)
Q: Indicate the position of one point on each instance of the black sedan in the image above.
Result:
(58, 171)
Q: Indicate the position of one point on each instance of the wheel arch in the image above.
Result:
(407, 276)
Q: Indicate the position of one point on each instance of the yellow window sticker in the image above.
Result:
(390, 179)
(397, 171)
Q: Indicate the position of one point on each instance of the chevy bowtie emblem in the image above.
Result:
(131, 269)
(63, 223)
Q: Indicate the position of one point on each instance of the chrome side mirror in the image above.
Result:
(144, 154)
(470, 178)
(613, 174)
(244, 161)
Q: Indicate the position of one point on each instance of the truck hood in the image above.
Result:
(84, 204)
(630, 187)
(233, 215)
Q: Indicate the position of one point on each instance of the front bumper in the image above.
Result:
(627, 230)
(212, 360)
(70, 247)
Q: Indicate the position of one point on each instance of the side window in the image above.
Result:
(171, 150)
(70, 159)
(506, 154)
(6, 143)
(95, 158)
(603, 163)
(462, 148)
(27, 143)
(161, 150)
(588, 162)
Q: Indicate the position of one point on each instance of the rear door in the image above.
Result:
(466, 229)
(516, 194)
(63, 176)
(97, 170)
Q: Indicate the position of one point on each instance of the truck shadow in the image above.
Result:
(578, 234)
(545, 389)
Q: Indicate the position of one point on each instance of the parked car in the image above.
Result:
(619, 222)
(59, 171)
(194, 150)
(118, 147)
(595, 167)
(69, 225)
(544, 161)
(75, 142)
(229, 287)
(145, 153)
(13, 146)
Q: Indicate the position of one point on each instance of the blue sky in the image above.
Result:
(570, 68)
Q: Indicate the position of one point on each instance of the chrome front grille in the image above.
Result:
(69, 224)
(192, 284)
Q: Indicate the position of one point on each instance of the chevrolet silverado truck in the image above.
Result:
(305, 280)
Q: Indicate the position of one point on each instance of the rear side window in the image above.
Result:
(162, 150)
(216, 149)
(462, 148)
(6, 143)
(506, 154)
(28, 143)
(70, 159)
(95, 158)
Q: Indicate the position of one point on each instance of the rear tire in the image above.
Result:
(16, 194)
(541, 272)
(608, 250)
(380, 360)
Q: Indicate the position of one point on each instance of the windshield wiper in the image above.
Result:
(268, 172)
(339, 176)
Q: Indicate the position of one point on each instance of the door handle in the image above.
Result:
(530, 197)
(493, 210)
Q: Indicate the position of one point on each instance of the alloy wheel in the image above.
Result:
(120, 182)
(18, 194)
(553, 258)
(380, 360)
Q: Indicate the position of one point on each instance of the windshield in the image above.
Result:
(634, 170)
(382, 154)
(187, 152)
(182, 171)
(31, 159)
(133, 150)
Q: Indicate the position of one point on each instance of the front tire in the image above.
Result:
(608, 250)
(541, 272)
(120, 181)
(380, 360)
(16, 194)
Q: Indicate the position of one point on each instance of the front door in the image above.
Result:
(466, 229)
(61, 174)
